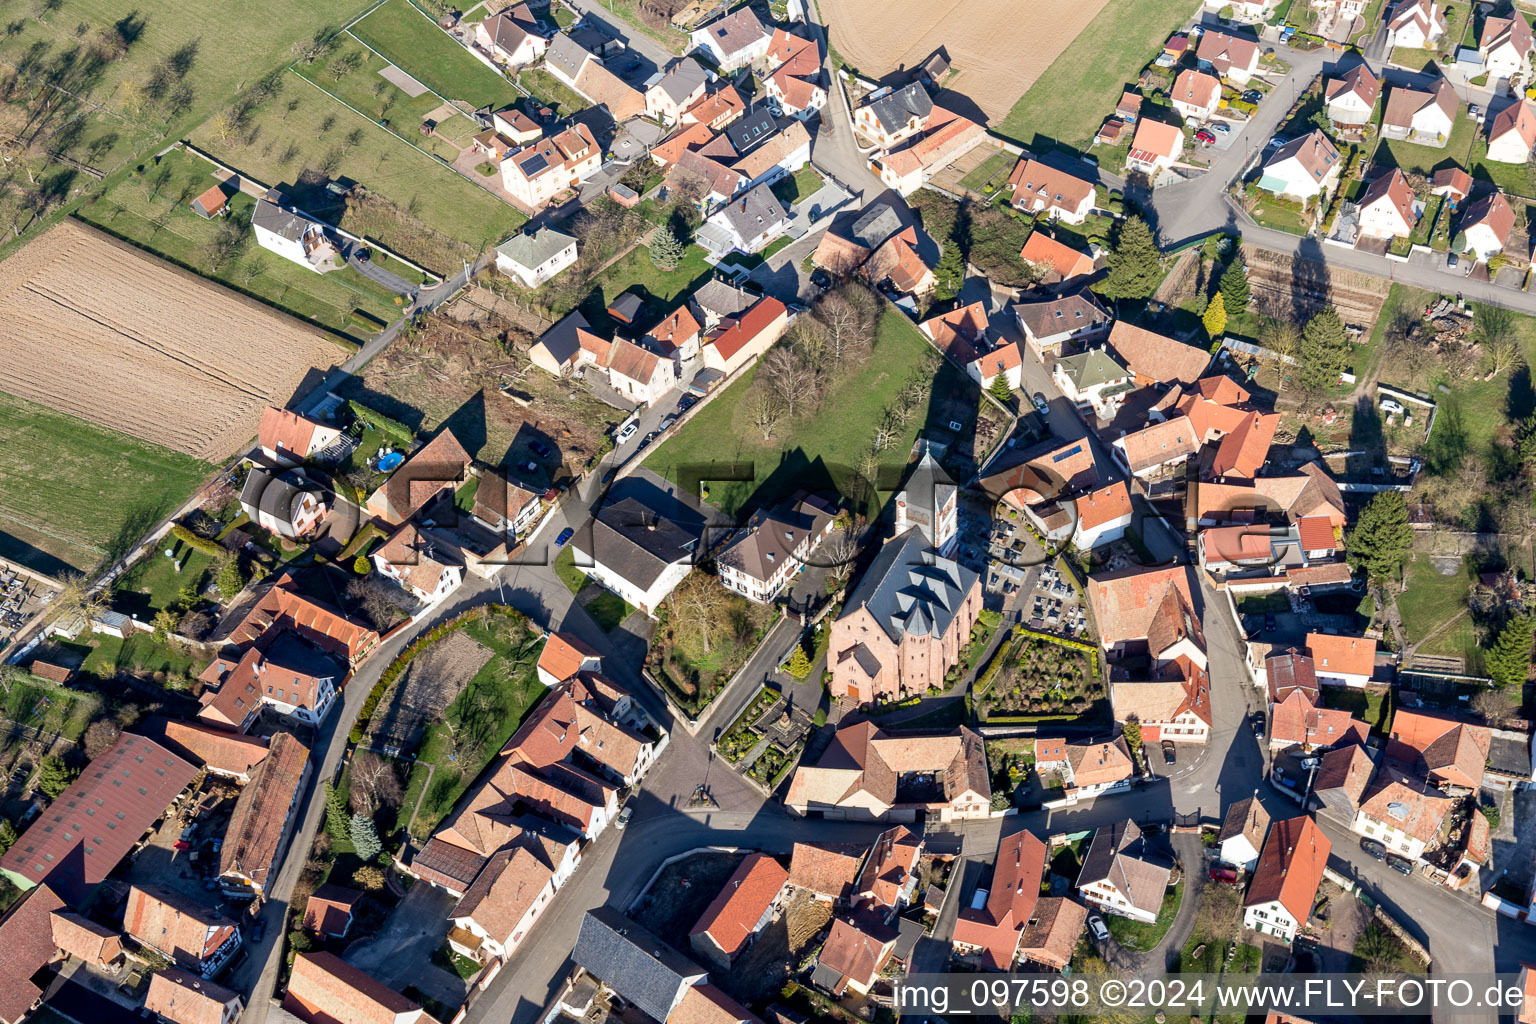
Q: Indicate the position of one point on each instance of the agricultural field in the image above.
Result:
(140, 346)
(414, 43)
(997, 48)
(1072, 97)
(410, 202)
(153, 212)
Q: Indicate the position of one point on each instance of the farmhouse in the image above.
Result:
(733, 41)
(1156, 358)
(744, 906)
(85, 940)
(26, 935)
(536, 173)
(1039, 188)
(1286, 880)
(323, 988)
(1118, 878)
(263, 815)
(512, 890)
(180, 929)
(286, 608)
(1418, 116)
(1296, 722)
(995, 928)
(183, 998)
(1302, 168)
(1450, 754)
(1386, 207)
(534, 257)
(1512, 133)
(574, 65)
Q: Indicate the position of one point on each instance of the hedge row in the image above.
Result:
(1089, 649)
(1005, 653)
(421, 643)
(381, 422)
(193, 541)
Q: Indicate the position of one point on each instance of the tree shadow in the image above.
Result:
(1520, 402)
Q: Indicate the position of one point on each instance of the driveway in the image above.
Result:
(377, 274)
(400, 955)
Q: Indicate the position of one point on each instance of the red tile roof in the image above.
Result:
(1342, 655)
(1243, 452)
(329, 910)
(998, 926)
(323, 989)
(891, 863)
(1316, 533)
(176, 925)
(1053, 931)
(26, 944)
(285, 607)
(83, 938)
(1296, 721)
(1104, 505)
(730, 919)
(221, 752)
(563, 655)
(1196, 89)
(283, 429)
(763, 314)
(1063, 259)
(1290, 867)
(1445, 750)
(184, 998)
(1125, 603)
(856, 949)
(1156, 357)
(260, 816)
(1154, 139)
(824, 870)
(956, 333)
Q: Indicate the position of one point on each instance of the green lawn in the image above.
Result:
(158, 218)
(662, 290)
(140, 652)
(1416, 159)
(437, 217)
(1280, 215)
(1372, 18)
(670, 38)
(801, 185)
(1081, 87)
(153, 583)
(1513, 179)
(1426, 223)
(1139, 936)
(828, 444)
(565, 568)
(50, 708)
(991, 174)
(1371, 708)
(71, 491)
(413, 42)
(364, 88)
(607, 609)
(776, 245)
(552, 92)
(1428, 598)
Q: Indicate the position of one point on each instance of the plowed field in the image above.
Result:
(100, 330)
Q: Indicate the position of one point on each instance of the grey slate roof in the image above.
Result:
(566, 54)
(275, 494)
(753, 128)
(285, 223)
(874, 225)
(685, 77)
(910, 589)
(753, 212)
(637, 542)
(894, 108)
(1060, 315)
(928, 487)
(633, 962)
(534, 249)
(561, 339)
(773, 537)
(722, 299)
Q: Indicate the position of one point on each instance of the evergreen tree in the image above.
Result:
(666, 250)
(336, 821)
(361, 565)
(1382, 540)
(54, 776)
(230, 580)
(1131, 732)
(799, 664)
(1509, 660)
(365, 838)
(1323, 351)
(1000, 389)
(1215, 318)
(7, 834)
(1234, 286)
(1133, 262)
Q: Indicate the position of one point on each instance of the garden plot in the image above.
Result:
(766, 738)
(425, 689)
(1041, 678)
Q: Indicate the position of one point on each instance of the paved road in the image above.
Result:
(638, 42)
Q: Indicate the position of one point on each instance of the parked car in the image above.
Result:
(628, 432)
(1258, 724)
(666, 422)
(1373, 848)
(1220, 127)
(565, 535)
(625, 813)
(258, 930)
(1041, 405)
(1205, 136)
(540, 449)
(1252, 96)
(364, 255)
(647, 439)
(1269, 620)
(821, 279)
(1223, 873)
(1402, 865)
(1096, 926)
(1170, 752)
(686, 402)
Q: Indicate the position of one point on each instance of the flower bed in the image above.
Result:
(741, 737)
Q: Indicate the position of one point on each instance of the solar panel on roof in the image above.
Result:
(535, 164)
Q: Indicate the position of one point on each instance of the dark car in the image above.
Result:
(608, 476)
(565, 535)
(528, 467)
(364, 255)
(648, 438)
(1400, 864)
(1258, 724)
(540, 449)
(1373, 848)
(821, 279)
(1252, 96)
(1170, 752)
(1269, 620)
(258, 930)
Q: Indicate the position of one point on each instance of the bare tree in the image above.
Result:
(842, 322)
(76, 597)
(375, 783)
(1495, 329)
(790, 378)
(1282, 338)
(699, 608)
(99, 737)
(765, 411)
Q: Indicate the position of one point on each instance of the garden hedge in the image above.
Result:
(193, 541)
(381, 422)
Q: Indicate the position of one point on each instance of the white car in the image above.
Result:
(1220, 127)
(625, 434)
(625, 814)
(1097, 927)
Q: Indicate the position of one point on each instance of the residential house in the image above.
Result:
(674, 92)
(947, 137)
(866, 775)
(179, 997)
(1173, 704)
(748, 223)
(1052, 934)
(180, 929)
(1048, 324)
(903, 627)
(637, 552)
(1386, 207)
(294, 235)
(512, 38)
(534, 257)
(1342, 778)
(717, 109)
(1118, 877)
(325, 989)
(1234, 58)
(51, 849)
(1103, 516)
(843, 251)
(733, 41)
(284, 608)
(1005, 361)
(1414, 24)
(650, 975)
(1401, 811)
(795, 82)
(1195, 95)
(995, 927)
(889, 877)
(1086, 768)
(515, 126)
(288, 438)
(262, 819)
(329, 910)
(26, 935)
(1237, 549)
(1145, 611)
(566, 345)
(563, 656)
(888, 118)
(638, 374)
(1093, 381)
(960, 333)
(742, 909)
(437, 468)
(85, 940)
(1420, 116)
(780, 156)
(1505, 47)
(773, 547)
(1453, 183)
(513, 890)
(1040, 189)
(856, 952)
(826, 871)
(1057, 262)
(676, 335)
(1351, 98)
(1154, 148)
(1290, 672)
(1286, 881)
(1297, 722)
(1302, 168)
(1342, 660)
(287, 503)
(1512, 132)
(1155, 455)
(1155, 358)
(287, 674)
(419, 563)
(536, 173)
(1242, 833)
(1450, 754)
(1486, 225)
(733, 344)
(897, 264)
(504, 507)
(574, 65)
